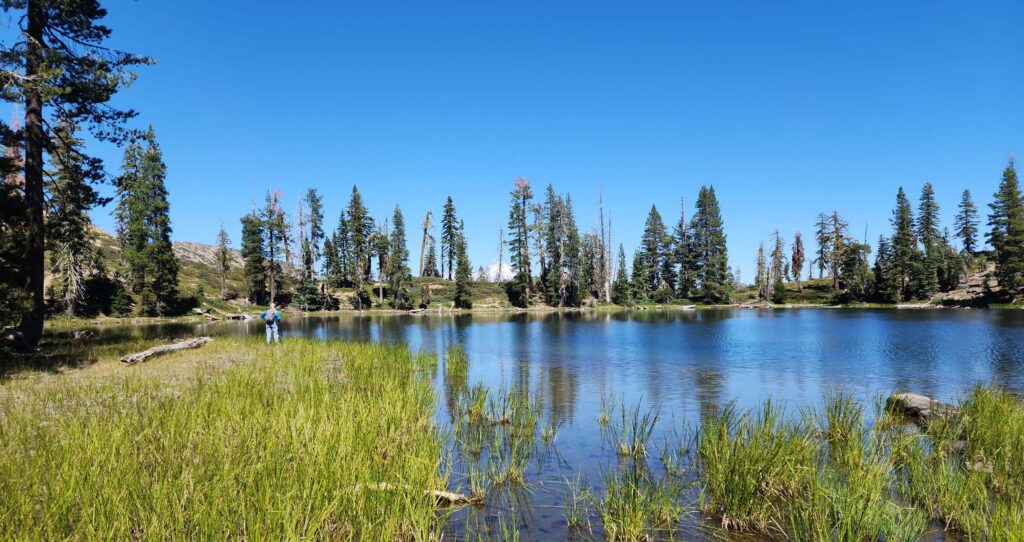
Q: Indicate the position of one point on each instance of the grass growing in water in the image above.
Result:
(234, 440)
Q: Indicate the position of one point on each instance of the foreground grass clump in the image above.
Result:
(236, 440)
(829, 475)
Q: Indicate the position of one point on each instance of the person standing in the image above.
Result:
(271, 317)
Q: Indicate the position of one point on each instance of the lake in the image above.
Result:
(675, 363)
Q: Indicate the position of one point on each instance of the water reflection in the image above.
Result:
(685, 363)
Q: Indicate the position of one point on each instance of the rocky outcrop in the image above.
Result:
(919, 408)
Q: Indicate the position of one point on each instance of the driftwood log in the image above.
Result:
(163, 349)
(443, 498)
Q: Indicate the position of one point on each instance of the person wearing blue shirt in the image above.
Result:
(271, 317)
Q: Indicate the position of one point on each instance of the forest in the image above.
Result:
(51, 262)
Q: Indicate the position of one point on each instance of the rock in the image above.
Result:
(919, 407)
(83, 334)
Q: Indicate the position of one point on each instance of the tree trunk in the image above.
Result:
(31, 329)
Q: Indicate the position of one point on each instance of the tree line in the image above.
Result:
(59, 71)
(917, 260)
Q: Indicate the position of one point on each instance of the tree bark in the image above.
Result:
(31, 328)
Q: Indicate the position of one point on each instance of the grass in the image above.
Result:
(233, 441)
(634, 430)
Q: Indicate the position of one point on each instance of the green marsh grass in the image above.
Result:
(235, 440)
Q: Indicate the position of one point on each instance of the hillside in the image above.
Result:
(197, 264)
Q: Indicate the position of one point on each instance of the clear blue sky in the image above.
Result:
(788, 108)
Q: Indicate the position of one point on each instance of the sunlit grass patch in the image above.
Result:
(233, 440)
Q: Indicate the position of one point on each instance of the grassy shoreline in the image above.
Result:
(337, 440)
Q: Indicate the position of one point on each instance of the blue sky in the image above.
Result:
(788, 108)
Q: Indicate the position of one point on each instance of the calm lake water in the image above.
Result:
(677, 363)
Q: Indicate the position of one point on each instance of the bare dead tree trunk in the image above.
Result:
(423, 246)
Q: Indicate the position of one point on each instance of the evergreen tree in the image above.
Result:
(275, 230)
(399, 275)
(570, 294)
(344, 270)
(888, 286)
(621, 288)
(519, 243)
(15, 301)
(68, 228)
(684, 256)
(463, 287)
(904, 250)
(56, 59)
(798, 259)
(380, 246)
(223, 260)
(1006, 235)
(254, 270)
(854, 273)
(144, 226)
(315, 224)
(967, 223)
(553, 237)
(359, 226)
(823, 236)
(837, 246)
(652, 256)
(929, 235)
(449, 228)
(430, 263)
(712, 260)
(589, 266)
(761, 279)
(777, 271)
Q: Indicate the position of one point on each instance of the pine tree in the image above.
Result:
(15, 301)
(904, 250)
(551, 240)
(463, 286)
(570, 294)
(519, 243)
(652, 256)
(967, 223)
(315, 224)
(275, 230)
(449, 227)
(380, 246)
(57, 60)
(777, 270)
(684, 256)
(68, 228)
(621, 287)
(254, 270)
(144, 227)
(223, 260)
(709, 241)
(929, 234)
(399, 275)
(344, 269)
(823, 236)
(430, 264)
(798, 259)
(837, 246)
(761, 279)
(358, 225)
(888, 283)
(854, 273)
(1006, 235)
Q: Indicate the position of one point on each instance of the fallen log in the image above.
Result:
(163, 349)
(445, 498)
(919, 408)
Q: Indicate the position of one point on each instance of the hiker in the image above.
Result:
(271, 317)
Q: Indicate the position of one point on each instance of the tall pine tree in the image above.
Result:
(1006, 235)
(254, 270)
(399, 275)
(967, 223)
(714, 282)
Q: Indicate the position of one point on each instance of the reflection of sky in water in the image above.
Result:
(682, 362)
